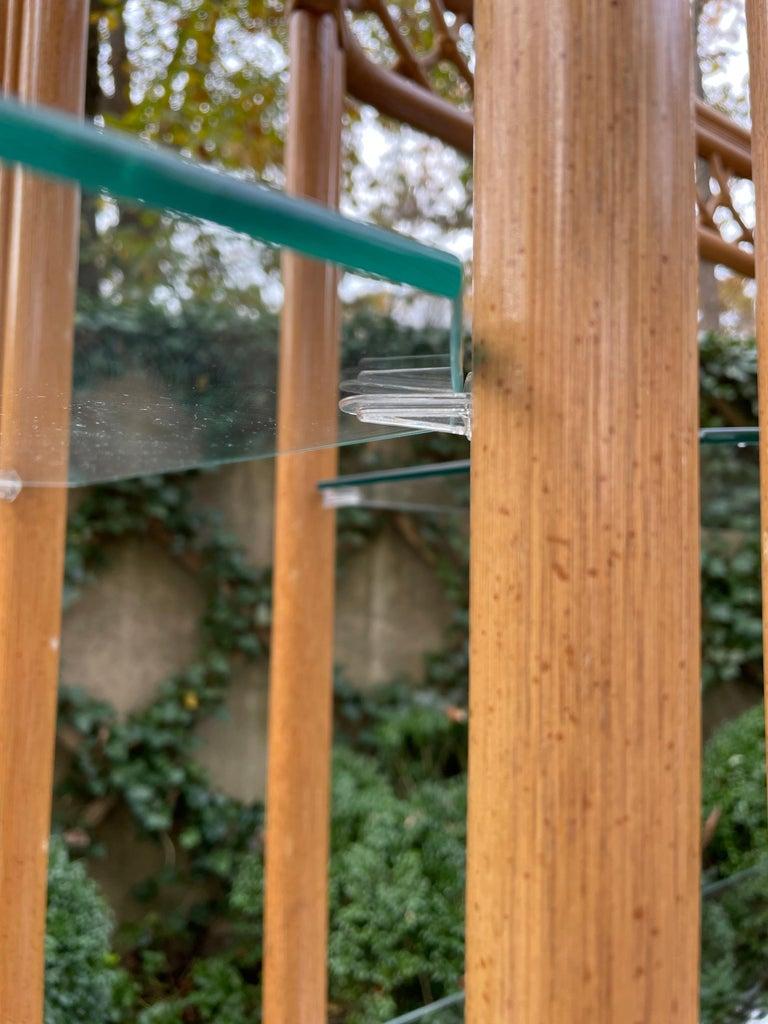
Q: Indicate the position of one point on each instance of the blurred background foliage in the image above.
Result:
(209, 78)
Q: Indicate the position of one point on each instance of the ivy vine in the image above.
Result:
(146, 761)
(146, 764)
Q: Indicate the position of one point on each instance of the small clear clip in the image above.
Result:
(342, 497)
(417, 395)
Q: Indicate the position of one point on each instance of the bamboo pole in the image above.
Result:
(757, 33)
(301, 667)
(42, 60)
(583, 860)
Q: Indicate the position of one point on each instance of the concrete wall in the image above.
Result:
(138, 622)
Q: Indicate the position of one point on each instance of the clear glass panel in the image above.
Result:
(730, 489)
(176, 354)
(729, 484)
(176, 350)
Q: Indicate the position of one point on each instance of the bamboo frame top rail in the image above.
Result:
(718, 135)
(64, 147)
(403, 90)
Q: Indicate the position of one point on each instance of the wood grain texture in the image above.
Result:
(42, 55)
(757, 34)
(583, 860)
(301, 667)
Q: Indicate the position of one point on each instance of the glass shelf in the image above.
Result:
(449, 1010)
(729, 480)
(437, 487)
(176, 345)
(730, 485)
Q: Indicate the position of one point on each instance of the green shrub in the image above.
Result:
(735, 919)
(396, 891)
(727, 381)
(415, 735)
(733, 953)
(732, 626)
(734, 783)
(217, 994)
(82, 983)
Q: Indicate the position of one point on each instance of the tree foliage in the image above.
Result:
(207, 79)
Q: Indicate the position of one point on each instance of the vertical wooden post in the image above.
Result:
(583, 862)
(42, 60)
(301, 668)
(757, 31)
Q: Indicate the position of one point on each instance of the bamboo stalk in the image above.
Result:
(42, 59)
(583, 858)
(301, 669)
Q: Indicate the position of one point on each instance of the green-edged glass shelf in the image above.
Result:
(442, 486)
(179, 295)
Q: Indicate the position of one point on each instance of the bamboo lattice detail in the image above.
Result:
(724, 235)
(398, 77)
